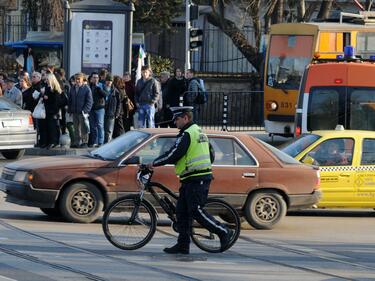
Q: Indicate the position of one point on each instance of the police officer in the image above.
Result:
(191, 157)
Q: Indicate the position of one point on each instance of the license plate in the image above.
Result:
(12, 123)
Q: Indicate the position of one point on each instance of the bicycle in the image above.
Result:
(129, 222)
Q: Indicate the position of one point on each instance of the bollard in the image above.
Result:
(225, 114)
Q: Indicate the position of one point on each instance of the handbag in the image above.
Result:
(39, 110)
(130, 105)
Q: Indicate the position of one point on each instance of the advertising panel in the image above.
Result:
(97, 42)
(96, 45)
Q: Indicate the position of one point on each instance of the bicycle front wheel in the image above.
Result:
(129, 223)
(224, 214)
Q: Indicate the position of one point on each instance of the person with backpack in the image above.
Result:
(147, 94)
(196, 93)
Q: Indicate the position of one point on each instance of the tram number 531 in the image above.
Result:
(286, 105)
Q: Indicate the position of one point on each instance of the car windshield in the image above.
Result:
(288, 57)
(120, 145)
(295, 147)
(283, 157)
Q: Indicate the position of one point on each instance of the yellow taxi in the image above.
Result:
(346, 159)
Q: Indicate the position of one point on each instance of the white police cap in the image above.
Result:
(179, 110)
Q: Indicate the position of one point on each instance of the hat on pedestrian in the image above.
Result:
(180, 110)
(109, 77)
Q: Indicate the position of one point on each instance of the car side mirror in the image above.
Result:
(308, 160)
(133, 160)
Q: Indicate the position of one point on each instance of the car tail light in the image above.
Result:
(338, 81)
(31, 123)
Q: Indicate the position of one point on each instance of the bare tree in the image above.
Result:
(275, 12)
(325, 9)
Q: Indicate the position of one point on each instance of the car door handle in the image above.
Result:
(248, 175)
(345, 175)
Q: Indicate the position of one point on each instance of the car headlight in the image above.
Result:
(21, 176)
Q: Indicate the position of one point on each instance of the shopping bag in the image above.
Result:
(86, 122)
(39, 111)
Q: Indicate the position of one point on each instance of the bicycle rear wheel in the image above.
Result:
(208, 241)
(121, 230)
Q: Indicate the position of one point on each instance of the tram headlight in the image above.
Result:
(272, 105)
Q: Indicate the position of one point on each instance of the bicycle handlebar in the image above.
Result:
(144, 174)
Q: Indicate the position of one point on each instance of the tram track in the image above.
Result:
(273, 244)
(294, 251)
(89, 276)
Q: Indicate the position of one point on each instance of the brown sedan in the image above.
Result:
(258, 179)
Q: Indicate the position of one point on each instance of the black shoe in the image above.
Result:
(83, 145)
(50, 146)
(177, 249)
(226, 239)
(74, 146)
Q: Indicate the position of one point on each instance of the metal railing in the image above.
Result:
(216, 57)
(230, 111)
(15, 27)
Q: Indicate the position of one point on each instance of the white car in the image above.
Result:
(16, 130)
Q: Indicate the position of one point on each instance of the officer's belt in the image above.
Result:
(196, 172)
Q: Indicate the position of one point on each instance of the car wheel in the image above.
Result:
(52, 212)
(13, 154)
(81, 202)
(265, 209)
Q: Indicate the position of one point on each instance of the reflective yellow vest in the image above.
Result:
(196, 161)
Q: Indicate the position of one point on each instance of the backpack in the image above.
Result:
(202, 95)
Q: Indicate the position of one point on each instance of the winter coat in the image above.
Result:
(192, 92)
(52, 103)
(98, 96)
(177, 88)
(14, 95)
(147, 92)
(29, 102)
(113, 104)
(80, 100)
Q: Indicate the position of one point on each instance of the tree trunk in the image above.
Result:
(238, 38)
(309, 11)
(278, 13)
(45, 14)
(267, 16)
(325, 9)
(57, 8)
(368, 5)
(301, 10)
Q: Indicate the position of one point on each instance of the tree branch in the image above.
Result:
(238, 38)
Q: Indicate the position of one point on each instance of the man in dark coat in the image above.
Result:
(79, 105)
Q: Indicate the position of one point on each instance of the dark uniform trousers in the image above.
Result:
(192, 199)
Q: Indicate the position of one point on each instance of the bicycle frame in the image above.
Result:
(150, 187)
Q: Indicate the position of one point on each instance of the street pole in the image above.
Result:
(187, 35)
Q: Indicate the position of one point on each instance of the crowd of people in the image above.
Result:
(92, 110)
